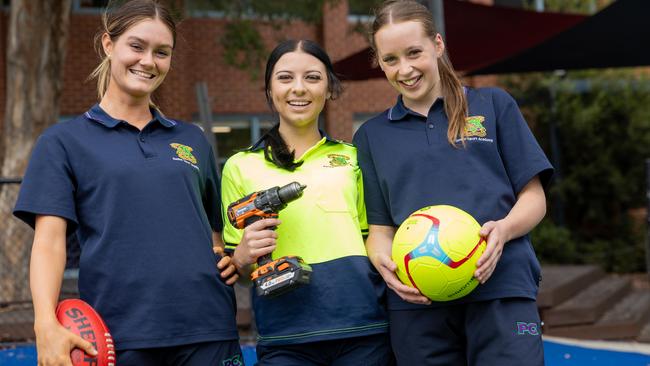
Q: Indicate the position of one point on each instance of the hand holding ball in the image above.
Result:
(81, 319)
(436, 249)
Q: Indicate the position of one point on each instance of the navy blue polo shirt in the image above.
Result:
(144, 205)
(407, 164)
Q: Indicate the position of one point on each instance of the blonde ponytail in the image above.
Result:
(397, 11)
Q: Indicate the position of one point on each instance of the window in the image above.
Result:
(207, 8)
(307, 10)
(362, 8)
(521, 4)
(92, 3)
(235, 132)
(361, 118)
(89, 6)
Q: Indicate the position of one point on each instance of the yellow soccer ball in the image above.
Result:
(436, 249)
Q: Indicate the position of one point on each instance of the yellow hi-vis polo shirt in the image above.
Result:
(327, 222)
(325, 226)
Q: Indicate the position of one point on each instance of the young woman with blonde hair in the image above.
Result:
(443, 143)
(141, 192)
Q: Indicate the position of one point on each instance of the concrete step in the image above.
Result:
(559, 282)
(644, 334)
(16, 323)
(588, 305)
(624, 321)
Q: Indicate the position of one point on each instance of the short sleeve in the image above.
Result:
(522, 156)
(211, 196)
(48, 187)
(376, 208)
(230, 192)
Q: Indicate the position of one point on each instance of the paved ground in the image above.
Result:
(558, 352)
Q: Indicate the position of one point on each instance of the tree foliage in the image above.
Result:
(572, 6)
(242, 42)
(603, 130)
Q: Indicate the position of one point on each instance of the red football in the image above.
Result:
(82, 320)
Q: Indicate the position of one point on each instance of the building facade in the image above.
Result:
(236, 100)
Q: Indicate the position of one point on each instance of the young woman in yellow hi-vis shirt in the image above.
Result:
(339, 317)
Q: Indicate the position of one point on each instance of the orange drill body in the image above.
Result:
(272, 277)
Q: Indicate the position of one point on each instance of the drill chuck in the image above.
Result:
(273, 200)
(290, 192)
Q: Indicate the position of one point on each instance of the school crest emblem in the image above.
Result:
(337, 160)
(184, 152)
(474, 126)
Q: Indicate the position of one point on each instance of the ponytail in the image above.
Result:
(103, 75)
(277, 152)
(455, 101)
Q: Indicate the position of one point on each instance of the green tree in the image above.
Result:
(572, 6)
(241, 40)
(603, 126)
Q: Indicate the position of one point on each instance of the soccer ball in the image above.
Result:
(436, 249)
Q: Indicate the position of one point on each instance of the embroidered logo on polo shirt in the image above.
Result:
(474, 126)
(184, 153)
(474, 130)
(337, 160)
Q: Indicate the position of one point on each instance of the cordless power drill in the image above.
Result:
(272, 277)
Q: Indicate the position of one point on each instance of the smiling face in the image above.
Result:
(298, 89)
(140, 59)
(410, 61)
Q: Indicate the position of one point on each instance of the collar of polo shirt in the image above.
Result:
(97, 114)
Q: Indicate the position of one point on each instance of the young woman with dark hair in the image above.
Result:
(339, 317)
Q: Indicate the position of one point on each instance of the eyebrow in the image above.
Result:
(134, 38)
(291, 72)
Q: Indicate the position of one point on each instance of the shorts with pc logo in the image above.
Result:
(219, 353)
(494, 332)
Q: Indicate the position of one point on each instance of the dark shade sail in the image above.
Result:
(617, 36)
(479, 37)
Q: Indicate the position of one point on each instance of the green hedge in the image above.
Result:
(602, 119)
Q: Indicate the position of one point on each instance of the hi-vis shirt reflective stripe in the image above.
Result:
(327, 222)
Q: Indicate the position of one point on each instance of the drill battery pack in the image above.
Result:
(281, 275)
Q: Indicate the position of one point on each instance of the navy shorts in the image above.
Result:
(373, 350)
(223, 353)
(496, 332)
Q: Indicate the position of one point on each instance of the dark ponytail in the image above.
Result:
(277, 151)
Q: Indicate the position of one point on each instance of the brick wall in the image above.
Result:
(198, 57)
(78, 94)
(367, 97)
